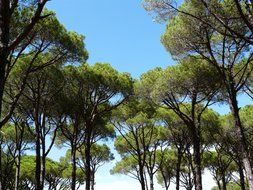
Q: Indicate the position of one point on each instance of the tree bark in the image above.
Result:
(17, 172)
(4, 43)
(166, 183)
(1, 166)
(38, 161)
(43, 158)
(88, 164)
(151, 178)
(197, 160)
(179, 158)
(241, 174)
(43, 168)
(73, 159)
(142, 178)
(224, 183)
(242, 146)
(93, 180)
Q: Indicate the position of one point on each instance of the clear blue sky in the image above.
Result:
(122, 33)
(117, 31)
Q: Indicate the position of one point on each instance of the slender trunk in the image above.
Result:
(241, 174)
(43, 159)
(190, 185)
(73, 159)
(197, 160)
(190, 168)
(93, 180)
(219, 185)
(2, 82)
(241, 138)
(151, 178)
(38, 160)
(1, 166)
(166, 181)
(88, 164)
(179, 158)
(4, 43)
(17, 173)
(43, 171)
(142, 178)
(224, 183)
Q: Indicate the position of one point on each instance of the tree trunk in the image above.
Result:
(219, 185)
(190, 168)
(166, 183)
(242, 146)
(151, 178)
(38, 164)
(17, 172)
(1, 166)
(93, 180)
(38, 161)
(73, 159)
(179, 158)
(4, 43)
(2, 81)
(242, 181)
(88, 164)
(197, 160)
(142, 178)
(43, 159)
(224, 183)
(43, 171)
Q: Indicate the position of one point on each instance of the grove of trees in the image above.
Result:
(163, 124)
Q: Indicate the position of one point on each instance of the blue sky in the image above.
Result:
(117, 31)
(121, 33)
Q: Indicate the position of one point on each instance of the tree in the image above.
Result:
(8, 41)
(92, 92)
(127, 166)
(221, 167)
(140, 138)
(37, 104)
(17, 139)
(100, 154)
(178, 138)
(167, 170)
(56, 177)
(228, 144)
(48, 39)
(219, 47)
(186, 90)
(223, 14)
(231, 186)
